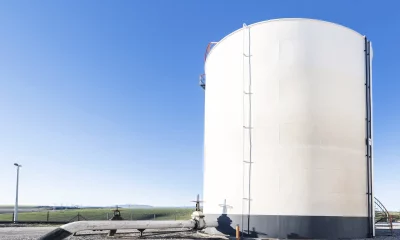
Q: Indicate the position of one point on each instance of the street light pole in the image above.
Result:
(16, 195)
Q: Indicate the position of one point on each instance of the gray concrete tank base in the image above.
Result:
(288, 131)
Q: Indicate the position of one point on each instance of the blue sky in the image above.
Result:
(101, 97)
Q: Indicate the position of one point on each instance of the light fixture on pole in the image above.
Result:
(16, 194)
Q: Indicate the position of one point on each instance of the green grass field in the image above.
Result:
(23, 206)
(101, 214)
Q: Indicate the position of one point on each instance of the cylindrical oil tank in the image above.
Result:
(288, 137)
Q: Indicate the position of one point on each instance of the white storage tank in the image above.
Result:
(288, 138)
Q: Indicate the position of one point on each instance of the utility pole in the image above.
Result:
(16, 195)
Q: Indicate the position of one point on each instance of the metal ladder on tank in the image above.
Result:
(247, 131)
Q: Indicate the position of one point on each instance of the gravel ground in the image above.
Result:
(23, 232)
(33, 233)
(384, 234)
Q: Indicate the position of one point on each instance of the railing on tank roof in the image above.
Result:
(202, 81)
(208, 49)
(202, 77)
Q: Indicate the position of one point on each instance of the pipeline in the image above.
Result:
(197, 223)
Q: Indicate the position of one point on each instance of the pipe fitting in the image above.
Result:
(197, 222)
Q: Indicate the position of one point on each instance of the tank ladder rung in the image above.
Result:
(247, 128)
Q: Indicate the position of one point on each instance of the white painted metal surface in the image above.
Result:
(197, 223)
(372, 141)
(307, 120)
(109, 225)
(16, 194)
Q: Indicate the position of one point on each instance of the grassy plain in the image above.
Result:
(101, 214)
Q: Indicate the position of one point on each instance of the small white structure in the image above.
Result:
(288, 137)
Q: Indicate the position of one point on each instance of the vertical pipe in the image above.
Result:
(370, 140)
(372, 137)
(366, 131)
(16, 198)
(368, 136)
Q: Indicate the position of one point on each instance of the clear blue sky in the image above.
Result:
(101, 97)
